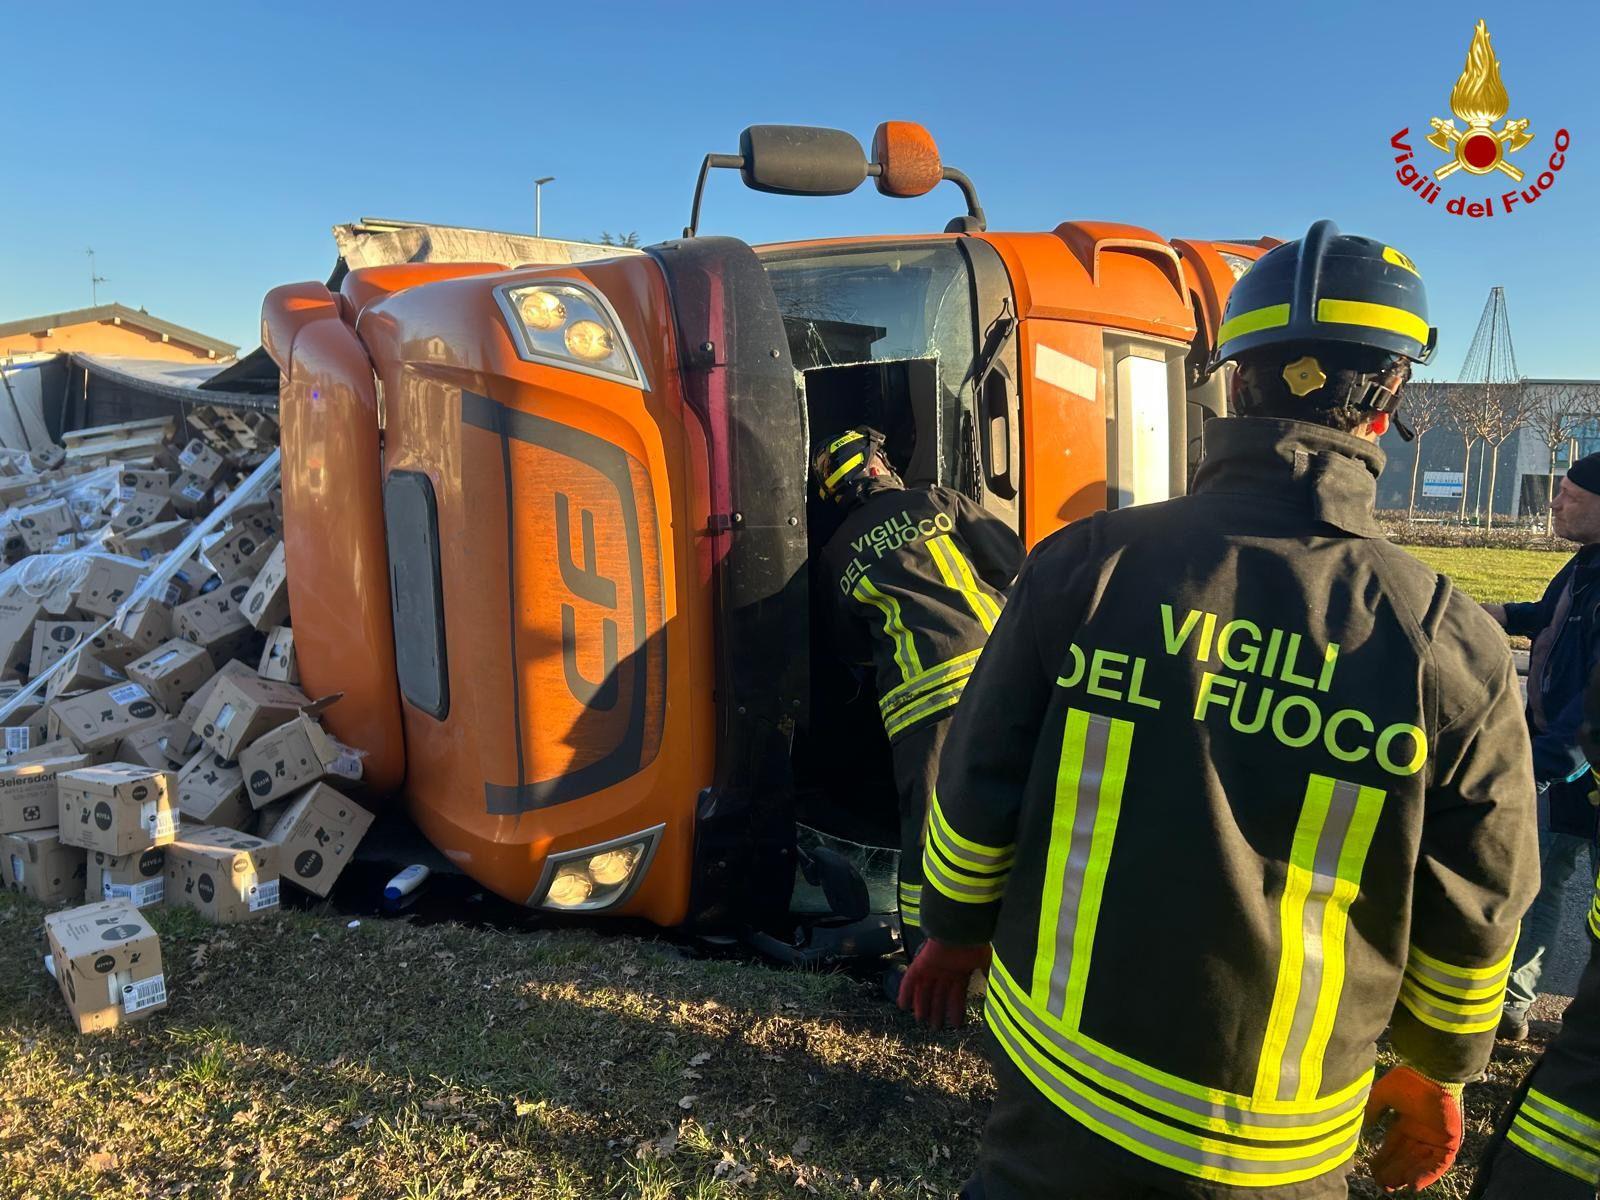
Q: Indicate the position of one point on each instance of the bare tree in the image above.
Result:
(1423, 407)
(629, 239)
(1461, 405)
(1506, 408)
(1559, 411)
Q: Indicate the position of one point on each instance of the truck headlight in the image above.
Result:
(596, 877)
(566, 324)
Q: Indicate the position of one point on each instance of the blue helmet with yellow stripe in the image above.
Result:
(845, 462)
(1328, 287)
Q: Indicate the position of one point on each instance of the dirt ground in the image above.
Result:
(303, 1059)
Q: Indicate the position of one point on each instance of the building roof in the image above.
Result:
(122, 314)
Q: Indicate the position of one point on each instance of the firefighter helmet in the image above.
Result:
(1328, 287)
(846, 461)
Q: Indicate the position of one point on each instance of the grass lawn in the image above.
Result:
(306, 1061)
(1493, 576)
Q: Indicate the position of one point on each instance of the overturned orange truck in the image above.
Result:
(549, 530)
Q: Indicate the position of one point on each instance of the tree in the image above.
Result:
(1423, 407)
(1461, 409)
(630, 240)
(1559, 411)
(1506, 408)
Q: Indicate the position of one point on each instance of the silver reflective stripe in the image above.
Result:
(1558, 1152)
(1096, 738)
(1440, 979)
(936, 871)
(1142, 1089)
(1580, 1129)
(1324, 876)
(1084, 1105)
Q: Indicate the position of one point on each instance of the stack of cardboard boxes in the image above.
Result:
(172, 759)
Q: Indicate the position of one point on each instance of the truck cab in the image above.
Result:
(549, 531)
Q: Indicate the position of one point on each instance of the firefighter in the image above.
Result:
(1236, 785)
(918, 578)
(1548, 1142)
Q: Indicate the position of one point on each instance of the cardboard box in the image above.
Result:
(29, 726)
(241, 553)
(142, 628)
(37, 862)
(173, 672)
(239, 710)
(142, 511)
(232, 669)
(147, 748)
(278, 659)
(317, 834)
(98, 720)
(148, 479)
(267, 602)
(28, 792)
(224, 875)
(211, 791)
(47, 520)
(54, 639)
(119, 808)
(109, 582)
(107, 962)
(82, 672)
(216, 620)
(293, 756)
(17, 618)
(152, 541)
(201, 461)
(140, 879)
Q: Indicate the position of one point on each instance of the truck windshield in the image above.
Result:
(908, 308)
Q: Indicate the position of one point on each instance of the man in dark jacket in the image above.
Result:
(1565, 626)
(1236, 785)
(918, 578)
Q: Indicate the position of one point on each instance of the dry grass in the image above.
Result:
(304, 1060)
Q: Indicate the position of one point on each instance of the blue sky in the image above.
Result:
(205, 150)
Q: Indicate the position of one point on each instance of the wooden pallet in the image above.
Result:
(159, 427)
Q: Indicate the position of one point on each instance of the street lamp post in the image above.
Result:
(538, 204)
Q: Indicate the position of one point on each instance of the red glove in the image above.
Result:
(935, 986)
(1426, 1134)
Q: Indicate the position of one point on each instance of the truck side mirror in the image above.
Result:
(801, 160)
(907, 158)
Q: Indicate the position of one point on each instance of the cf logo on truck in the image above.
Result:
(586, 635)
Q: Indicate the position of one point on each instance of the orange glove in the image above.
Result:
(935, 986)
(1426, 1134)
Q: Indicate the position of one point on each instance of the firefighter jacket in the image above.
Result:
(918, 578)
(1236, 785)
(1550, 1147)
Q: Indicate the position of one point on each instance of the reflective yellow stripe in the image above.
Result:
(1558, 1135)
(1335, 925)
(925, 707)
(905, 649)
(845, 438)
(960, 869)
(1374, 316)
(913, 688)
(1451, 998)
(1204, 1108)
(1331, 839)
(1089, 781)
(1273, 316)
(1250, 1164)
(957, 575)
(850, 464)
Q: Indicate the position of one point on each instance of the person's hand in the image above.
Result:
(935, 986)
(1425, 1136)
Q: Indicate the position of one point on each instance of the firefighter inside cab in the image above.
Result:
(1236, 786)
(918, 578)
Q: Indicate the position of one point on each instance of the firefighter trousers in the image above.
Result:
(1033, 1151)
(1555, 1116)
(916, 770)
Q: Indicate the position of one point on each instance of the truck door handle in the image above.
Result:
(997, 416)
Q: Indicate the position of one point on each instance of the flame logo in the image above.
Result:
(1479, 98)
